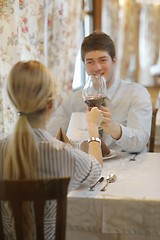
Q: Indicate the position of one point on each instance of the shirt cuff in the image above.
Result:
(123, 137)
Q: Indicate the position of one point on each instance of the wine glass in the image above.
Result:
(94, 91)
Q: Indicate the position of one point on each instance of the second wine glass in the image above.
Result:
(94, 91)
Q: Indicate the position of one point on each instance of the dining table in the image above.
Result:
(128, 208)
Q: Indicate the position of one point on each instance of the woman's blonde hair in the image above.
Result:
(30, 87)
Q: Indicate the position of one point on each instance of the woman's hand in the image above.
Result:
(94, 116)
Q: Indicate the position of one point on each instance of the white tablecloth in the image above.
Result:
(129, 209)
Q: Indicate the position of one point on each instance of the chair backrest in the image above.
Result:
(154, 91)
(153, 131)
(38, 191)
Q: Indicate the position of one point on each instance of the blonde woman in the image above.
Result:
(30, 152)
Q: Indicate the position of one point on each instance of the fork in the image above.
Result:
(111, 178)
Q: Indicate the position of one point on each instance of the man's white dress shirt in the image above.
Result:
(131, 107)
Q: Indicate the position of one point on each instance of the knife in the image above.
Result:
(91, 188)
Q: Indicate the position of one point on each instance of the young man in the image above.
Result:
(128, 112)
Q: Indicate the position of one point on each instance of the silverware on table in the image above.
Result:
(110, 179)
(91, 188)
(133, 157)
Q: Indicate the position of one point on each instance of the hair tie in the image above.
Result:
(20, 114)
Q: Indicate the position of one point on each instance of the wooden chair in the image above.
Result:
(153, 91)
(153, 131)
(38, 191)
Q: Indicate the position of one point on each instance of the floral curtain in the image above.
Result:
(110, 19)
(136, 31)
(64, 40)
(43, 30)
(149, 41)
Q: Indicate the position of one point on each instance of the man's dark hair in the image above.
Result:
(97, 41)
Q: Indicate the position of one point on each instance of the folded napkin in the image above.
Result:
(77, 128)
(62, 136)
(105, 150)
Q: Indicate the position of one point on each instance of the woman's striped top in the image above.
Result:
(57, 159)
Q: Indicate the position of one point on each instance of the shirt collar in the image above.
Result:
(112, 89)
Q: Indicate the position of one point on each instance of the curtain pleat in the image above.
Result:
(44, 30)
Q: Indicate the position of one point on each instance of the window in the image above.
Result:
(86, 29)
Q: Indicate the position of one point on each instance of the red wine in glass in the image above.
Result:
(94, 91)
(94, 101)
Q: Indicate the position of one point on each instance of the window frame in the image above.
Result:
(91, 21)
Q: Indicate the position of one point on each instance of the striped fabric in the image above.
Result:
(57, 159)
